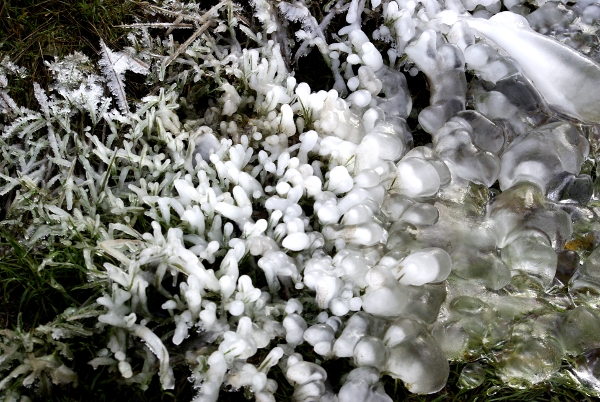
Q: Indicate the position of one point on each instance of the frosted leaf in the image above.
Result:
(113, 67)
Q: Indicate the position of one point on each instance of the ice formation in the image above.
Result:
(285, 217)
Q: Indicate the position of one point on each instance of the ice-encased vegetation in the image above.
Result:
(242, 213)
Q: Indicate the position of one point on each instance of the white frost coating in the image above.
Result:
(287, 125)
(362, 384)
(209, 392)
(167, 380)
(566, 79)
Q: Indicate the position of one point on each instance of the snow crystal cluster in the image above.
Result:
(281, 215)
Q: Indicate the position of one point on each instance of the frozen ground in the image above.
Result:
(277, 215)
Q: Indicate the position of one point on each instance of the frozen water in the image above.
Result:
(443, 64)
(370, 351)
(530, 361)
(471, 376)
(416, 178)
(415, 358)
(464, 159)
(362, 384)
(424, 266)
(530, 251)
(484, 133)
(565, 78)
(385, 296)
(540, 155)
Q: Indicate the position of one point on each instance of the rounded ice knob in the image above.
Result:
(424, 266)
(416, 178)
(340, 180)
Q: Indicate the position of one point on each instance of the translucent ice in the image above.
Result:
(530, 252)
(485, 134)
(443, 64)
(358, 326)
(464, 159)
(485, 267)
(564, 77)
(426, 265)
(385, 296)
(530, 361)
(416, 177)
(370, 351)
(400, 207)
(540, 155)
(362, 384)
(415, 357)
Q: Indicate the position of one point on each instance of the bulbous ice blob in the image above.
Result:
(443, 64)
(488, 64)
(530, 361)
(429, 155)
(320, 334)
(400, 207)
(485, 267)
(540, 155)
(485, 134)
(339, 180)
(452, 338)
(416, 358)
(358, 326)
(416, 178)
(530, 252)
(466, 162)
(370, 351)
(308, 379)
(385, 297)
(362, 384)
(425, 302)
(580, 330)
(296, 241)
(364, 234)
(390, 138)
(427, 265)
(564, 77)
(354, 266)
(471, 376)
(294, 326)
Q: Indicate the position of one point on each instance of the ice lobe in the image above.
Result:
(415, 357)
(362, 384)
(424, 266)
(415, 178)
(542, 154)
(385, 296)
(566, 79)
(467, 162)
(443, 64)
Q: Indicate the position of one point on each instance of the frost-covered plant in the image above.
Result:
(240, 213)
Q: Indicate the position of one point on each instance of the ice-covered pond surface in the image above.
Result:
(282, 215)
